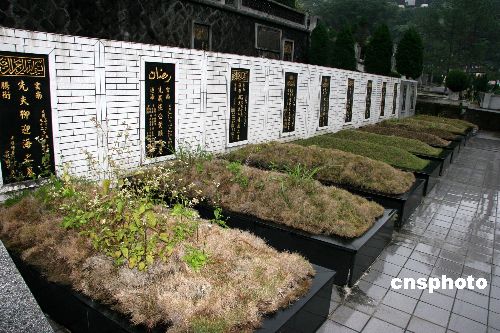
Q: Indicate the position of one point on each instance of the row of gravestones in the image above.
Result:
(26, 145)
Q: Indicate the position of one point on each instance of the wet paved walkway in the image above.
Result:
(455, 232)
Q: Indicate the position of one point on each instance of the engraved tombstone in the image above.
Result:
(290, 102)
(324, 105)
(26, 145)
(382, 101)
(239, 96)
(368, 101)
(160, 109)
(395, 98)
(350, 100)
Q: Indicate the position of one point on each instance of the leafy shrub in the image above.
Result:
(396, 157)
(344, 56)
(410, 54)
(457, 81)
(410, 145)
(320, 51)
(329, 166)
(378, 59)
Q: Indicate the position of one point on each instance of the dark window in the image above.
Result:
(268, 39)
(288, 49)
(201, 36)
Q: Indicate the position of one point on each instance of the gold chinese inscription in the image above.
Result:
(26, 150)
(368, 101)
(238, 104)
(382, 101)
(290, 102)
(22, 66)
(349, 100)
(324, 104)
(395, 98)
(160, 109)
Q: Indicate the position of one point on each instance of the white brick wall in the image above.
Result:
(104, 80)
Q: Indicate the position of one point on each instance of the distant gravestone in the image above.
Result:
(368, 102)
(26, 145)
(382, 102)
(349, 101)
(405, 92)
(324, 105)
(290, 102)
(394, 99)
(239, 97)
(160, 109)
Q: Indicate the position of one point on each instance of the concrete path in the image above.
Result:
(455, 232)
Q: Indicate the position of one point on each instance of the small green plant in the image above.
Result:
(195, 258)
(237, 170)
(219, 218)
(299, 173)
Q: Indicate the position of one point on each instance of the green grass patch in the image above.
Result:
(426, 138)
(410, 145)
(331, 166)
(458, 123)
(396, 157)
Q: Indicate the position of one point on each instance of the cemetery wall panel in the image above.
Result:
(98, 95)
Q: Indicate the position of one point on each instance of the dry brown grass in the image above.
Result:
(333, 166)
(306, 205)
(429, 139)
(419, 127)
(243, 279)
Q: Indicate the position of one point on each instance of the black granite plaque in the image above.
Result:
(290, 102)
(395, 98)
(405, 92)
(412, 97)
(238, 118)
(382, 101)
(160, 109)
(368, 102)
(350, 100)
(26, 145)
(324, 104)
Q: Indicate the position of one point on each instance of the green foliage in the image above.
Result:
(289, 3)
(15, 198)
(219, 218)
(195, 258)
(410, 54)
(300, 173)
(480, 84)
(236, 169)
(457, 81)
(125, 224)
(344, 56)
(378, 58)
(320, 51)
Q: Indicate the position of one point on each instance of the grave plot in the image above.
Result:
(394, 156)
(369, 178)
(415, 147)
(87, 249)
(330, 226)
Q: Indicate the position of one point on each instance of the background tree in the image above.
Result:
(457, 81)
(320, 51)
(343, 50)
(409, 55)
(378, 58)
(289, 3)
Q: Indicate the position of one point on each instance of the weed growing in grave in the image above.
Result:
(237, 170)
(219, 218)
(195, 258)
(300, 174)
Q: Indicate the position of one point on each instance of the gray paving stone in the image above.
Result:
(351, 318)
(432, 313)
(376, 326)
(470, 311)
(419, 325)
(400, 301)
(464, 325)
(392, 315)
